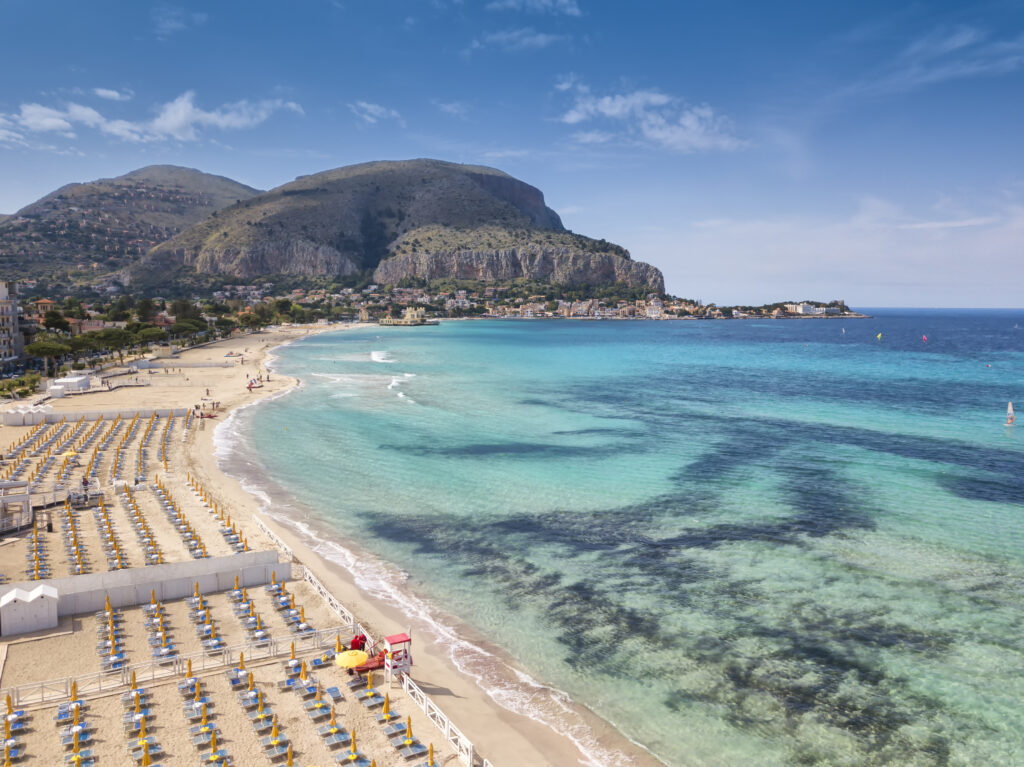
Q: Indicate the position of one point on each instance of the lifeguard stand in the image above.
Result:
(398, 655)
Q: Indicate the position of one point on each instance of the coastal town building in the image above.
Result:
(12, 343)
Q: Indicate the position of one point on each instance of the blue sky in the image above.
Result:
(753, 151)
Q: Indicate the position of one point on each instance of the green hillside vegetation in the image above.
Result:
(83, 233)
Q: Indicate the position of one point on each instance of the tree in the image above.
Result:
(116, 339)
(151, 335)
(54, 320)
(48, 349)
(283, 306)
(145, 310)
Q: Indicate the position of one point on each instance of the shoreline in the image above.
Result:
(438, 634)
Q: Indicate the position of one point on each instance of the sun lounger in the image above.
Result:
(268, 713)
(393, 730)
(268, 741)
(199, 729)
(155, 749)
(345, 758)
(85, 754)
(69, 740)
(215, 758)
(275, 752)
(334, 694)
(413, 750)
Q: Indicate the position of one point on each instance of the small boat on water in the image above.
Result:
(1010, 418)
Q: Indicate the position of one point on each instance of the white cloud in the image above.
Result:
(112, 95)
(170, 19)
(523, 39)
(7, 135)
(180, 119)
(567, 82)
(556, 7)
(648, 116)
(696, 129)
(941, 56)
(453, 108)
(592, 137)
(374, 113)
(36, 118)
(618, 106)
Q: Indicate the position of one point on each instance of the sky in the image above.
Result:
(753, 151)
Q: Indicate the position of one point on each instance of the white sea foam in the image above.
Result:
(394, 383)
(382, 356)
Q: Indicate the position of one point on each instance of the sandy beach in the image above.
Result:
(218, 373)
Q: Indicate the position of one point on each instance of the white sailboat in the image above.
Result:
(1010, 418)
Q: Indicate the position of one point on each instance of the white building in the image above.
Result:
(805, 309)
(12, 343)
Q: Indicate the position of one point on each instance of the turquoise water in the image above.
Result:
(764, 543)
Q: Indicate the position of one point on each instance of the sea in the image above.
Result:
(746, 542)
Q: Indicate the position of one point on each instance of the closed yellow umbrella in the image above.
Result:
(241, 661)
(292, 656)
(252, 682)
(188, 671)
(289, 762)
(430, 755)
(385, 713)
(302, 671)
(274, 732)
(408, 730)
(134, 685)
(337, 643)
(146, 761)
(10, 705)
(205, 722)
(142, 731)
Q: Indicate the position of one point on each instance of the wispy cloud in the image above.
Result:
(179, 119)
(556, 7)
(8, 135)
(171, 19)
(112, 95)
(940, 56)
(374, 113)
(649, 116)
(453, 108)
(522, 39)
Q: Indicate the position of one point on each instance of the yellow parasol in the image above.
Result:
(302, 671)
(142, 731)
(10, 705)
(430, 755)
(350, 658)
(289, 762)
(146, 761)
(385, 713)
(292, 656)
(408, 731)
(188, 671)
(337, 644)
(241, 661)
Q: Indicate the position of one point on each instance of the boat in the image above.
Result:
(1010, 418)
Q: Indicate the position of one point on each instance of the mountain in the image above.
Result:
(415, 219)
(82, 232)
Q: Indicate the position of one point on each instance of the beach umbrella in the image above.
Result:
(10, 705)
(252, 614)
(7, 728)
(213, 631)
(350, 658)
(369, 681)
(152, 596)
(195, 591)
(337, 643)
(146, 761)
(142, 731)
(334, 722)
(138, 704)
(77, 715)
(252, 681)
(353, 750)
(236, 583)
(302, 614)
(274, 732)
(205, 722)
(430, 755)
(273, 577)
(188, 671)
(259, 700)
(199, 693)
(408, 730)
(302, 671)
(133, 680)
(213, 742)
(241, 661)
(289, 762)
(292, 655)
(74, 743)
(385, 713)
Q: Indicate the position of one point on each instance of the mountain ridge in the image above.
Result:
(358, 218)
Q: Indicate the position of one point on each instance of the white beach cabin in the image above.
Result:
(22, 611)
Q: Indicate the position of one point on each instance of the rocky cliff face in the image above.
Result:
(561, 266)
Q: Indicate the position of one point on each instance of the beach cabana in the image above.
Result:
(22, 611)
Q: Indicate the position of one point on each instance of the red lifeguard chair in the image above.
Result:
(398, 655)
